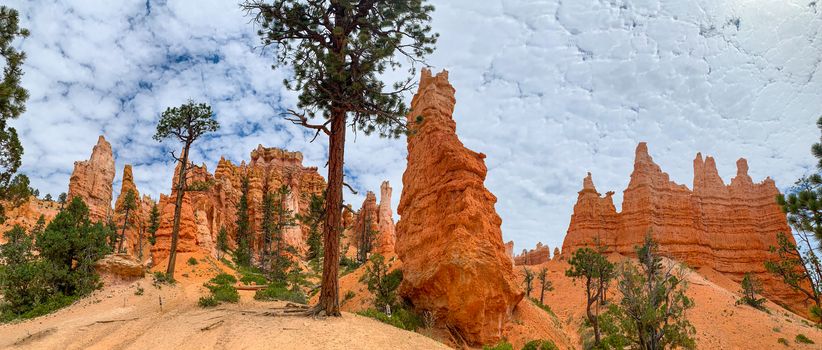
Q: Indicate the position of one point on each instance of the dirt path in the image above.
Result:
(116, 318)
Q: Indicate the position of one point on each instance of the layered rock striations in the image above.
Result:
(136, 225)
(448, 238)
(727, 228)
(214, 203)
(539, 255)
(92, 181)
(385, 222)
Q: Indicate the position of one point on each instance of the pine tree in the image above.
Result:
(222, 243)
(48, 197)
(367, 235)
(153, 224)
(62, 199)
(12, 103)
(651, 313)
(338, 51)
(186, 123)
(382, 283)
(596, 271)
(284, 218)
(314, 219)
(127, 205)
(242, 255)
(544, 283)
(751, 288)
(528, 281)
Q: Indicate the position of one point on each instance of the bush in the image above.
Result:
(279, 291)
(540, 344)
(192, 261)
(53, 303)
(225, 293)
(223, 279)
(801, 338)
(139, 291)
(402, 318)
(208, 302)
(782, 341)
(502, 345)
(162, 278)
(544, 307)
(255, 278)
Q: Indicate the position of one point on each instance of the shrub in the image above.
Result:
(192, 261)
(349, 295)
(223, 278)
(139, 291)
(502, 345)
(225, 293)
(255, 278)
(402, 318)
(382, 283)
(751, 288)
(279, 291)
(782, 341)
(540, 344)
(544, 307)
(208, 302)
(801, 338)
(162, 278)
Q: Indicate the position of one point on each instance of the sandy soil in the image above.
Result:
(116, 318)
(719, 322)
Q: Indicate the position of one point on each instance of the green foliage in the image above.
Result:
(341, 64)
(276, 219)
(280, 291)
(253, 278)
(12, 104)
(128, 204)
(803, 339)
(782, 341)
(62, 198)
(544, 307)
(314, 219)
(154, 224)
(222, 290)
(53, 266)
(401, 318)
(48, 197)
(242, 255)
(751, 288)
(192, 261)
(208, 302)
(799, 268)
(349, 295)
(222, 242)
(382, 283)
(139, 291)
(540, 345)
(161, 278)
(545, 285)
(596, 271)
(502, 345)
(651, 313)
(16, 191)
(186, 123)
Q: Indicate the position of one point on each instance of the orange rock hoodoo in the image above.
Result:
(727, 228)
(137, 216)
(449, 238)
(539, 255)
(205, 212)
(92, 181)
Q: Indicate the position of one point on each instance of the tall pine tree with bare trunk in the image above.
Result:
(186, 124)
(338, 50)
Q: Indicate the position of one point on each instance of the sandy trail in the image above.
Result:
(116, 318)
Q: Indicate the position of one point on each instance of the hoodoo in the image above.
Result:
(135, 225)
(92, 180)
(448, 237)
(727, 228)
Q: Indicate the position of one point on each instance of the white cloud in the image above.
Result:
(547, 89)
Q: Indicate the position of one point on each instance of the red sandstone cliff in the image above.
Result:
(727, 228)
(449, 237)
(537, 256)
(92, 181)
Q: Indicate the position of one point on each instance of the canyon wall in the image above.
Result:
(727, 228)
(214, 204)
(537, 256)
(448, 238)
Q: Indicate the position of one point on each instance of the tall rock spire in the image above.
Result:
(448, 238)
(92, 181)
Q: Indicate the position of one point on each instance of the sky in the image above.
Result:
(547, 89)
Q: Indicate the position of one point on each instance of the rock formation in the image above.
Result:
(116, 268)
(136, 216)
(509, 250)
(214, 205)
(92, 181)
(449, 238)
(27, 214)
(385, 222)
(539, 255)
(727, 228)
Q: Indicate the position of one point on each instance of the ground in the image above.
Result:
(116, 318)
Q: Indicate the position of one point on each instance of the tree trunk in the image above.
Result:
(178, 206)
(330, 294)
(123, 233)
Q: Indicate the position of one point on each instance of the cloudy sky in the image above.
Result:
(548, 89)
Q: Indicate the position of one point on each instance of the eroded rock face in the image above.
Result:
(385, 222)
(727, 228)
(449, 237)
(115, 268)
(206, 211)
(136, 216)
(539, 255)
(92, 181)
(27, 214)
